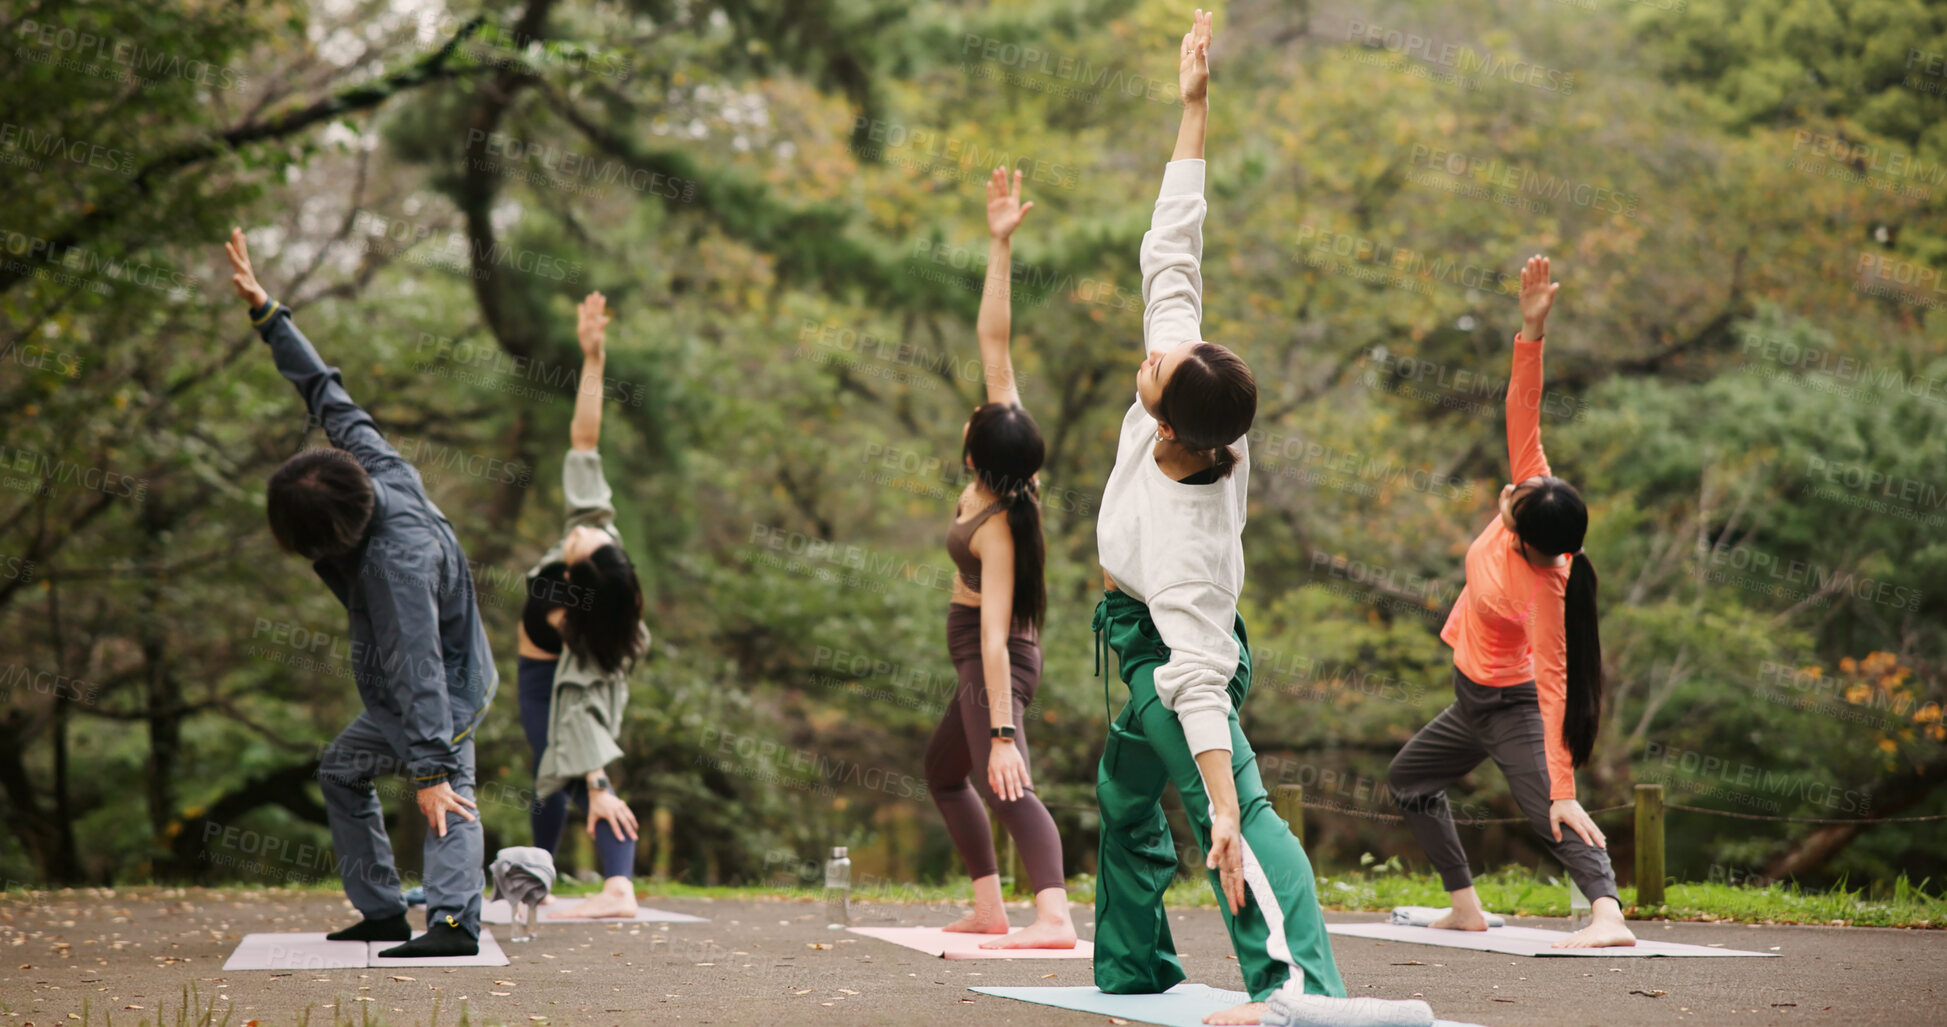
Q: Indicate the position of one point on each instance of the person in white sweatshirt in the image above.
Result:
(1169, 540)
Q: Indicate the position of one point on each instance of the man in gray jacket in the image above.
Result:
(419, 653)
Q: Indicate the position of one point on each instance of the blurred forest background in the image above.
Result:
(782, 199)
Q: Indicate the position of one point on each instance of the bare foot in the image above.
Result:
(978, 922)
(1249, 1012)
(1602, 934)
(1455, 920)
(1038, 935)
(603, 904)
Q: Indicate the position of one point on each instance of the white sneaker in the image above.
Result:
(1288, 1008)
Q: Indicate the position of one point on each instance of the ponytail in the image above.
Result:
(1226, 461)
(1030, 555)
(1004, 449)
(1583, 718)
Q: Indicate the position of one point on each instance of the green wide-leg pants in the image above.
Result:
(1280, 934)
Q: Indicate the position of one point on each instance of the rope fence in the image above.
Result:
(1290, 803)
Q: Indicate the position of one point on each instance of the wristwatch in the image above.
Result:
(1005, 731)
(601, 784)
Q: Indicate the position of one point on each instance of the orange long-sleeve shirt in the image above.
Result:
(1507, 627)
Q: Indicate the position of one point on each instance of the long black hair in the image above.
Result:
(1210, 402)
(1004, 447)
(604, 611)
(1551, 519)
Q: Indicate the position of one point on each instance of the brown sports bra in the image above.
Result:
(959, 543)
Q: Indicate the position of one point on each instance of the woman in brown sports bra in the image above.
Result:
(979, 752)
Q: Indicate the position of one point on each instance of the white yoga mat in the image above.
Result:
(295, 952)
(310, 951)
(1422, 916)
(1524, 941)
(498, 912)
(489, 955)
(958, 945)
(1182, 1006)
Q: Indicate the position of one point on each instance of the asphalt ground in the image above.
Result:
(131, 952)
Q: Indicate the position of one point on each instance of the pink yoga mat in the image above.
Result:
(497, 912)
(295, 952)
(956, 945)
(1524, 941)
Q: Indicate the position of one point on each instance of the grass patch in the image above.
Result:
(1374, 887)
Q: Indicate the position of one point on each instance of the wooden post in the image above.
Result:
(1649, 845)
(1289, 802)
(662, 825)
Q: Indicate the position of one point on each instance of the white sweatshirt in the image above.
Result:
(1177, 547)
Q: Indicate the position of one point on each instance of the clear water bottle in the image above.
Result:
(1579, 911)
(838, 887)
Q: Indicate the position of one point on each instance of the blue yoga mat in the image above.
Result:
(1182, 1006)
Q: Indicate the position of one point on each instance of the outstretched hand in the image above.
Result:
(1226, 857)
(244, 278)
(591, 325)
(1193, 66)
(1537, 297)
(1004, 207)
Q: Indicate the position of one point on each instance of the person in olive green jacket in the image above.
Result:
(581, 633)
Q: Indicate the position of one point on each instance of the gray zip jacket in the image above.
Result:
(585, 711)
(418, 650)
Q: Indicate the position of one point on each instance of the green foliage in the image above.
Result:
(782, 202)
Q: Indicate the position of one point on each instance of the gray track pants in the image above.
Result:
(373, 747)
(1504, 724)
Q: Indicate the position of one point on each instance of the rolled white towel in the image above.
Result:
(1287, 1008)
(1424, 916)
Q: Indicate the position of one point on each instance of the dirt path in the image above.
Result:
(760, 962)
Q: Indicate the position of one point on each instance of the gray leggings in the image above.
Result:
(1504, 724)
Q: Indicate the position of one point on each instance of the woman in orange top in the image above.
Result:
(1527, 666)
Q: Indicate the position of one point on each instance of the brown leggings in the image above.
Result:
(956, 759)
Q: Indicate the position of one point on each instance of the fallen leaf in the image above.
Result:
(396, 977)
(505, 984)
(502, 994)
(1046, 976)
(816, 945)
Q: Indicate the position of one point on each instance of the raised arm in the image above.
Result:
(345, 423)
(1004, 213)
(591, 330)
(583, 487)
(1193, 88)
(1172, 249)
(1525, 457)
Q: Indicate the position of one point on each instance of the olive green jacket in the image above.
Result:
(585, 712)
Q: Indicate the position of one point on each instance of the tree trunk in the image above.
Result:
(1890, 798)
(201, 836)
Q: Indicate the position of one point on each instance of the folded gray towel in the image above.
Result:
(1424, 916)
(523, 874)
(1287, 1008)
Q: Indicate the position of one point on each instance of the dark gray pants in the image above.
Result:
(372, 747)
(1483, 722)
